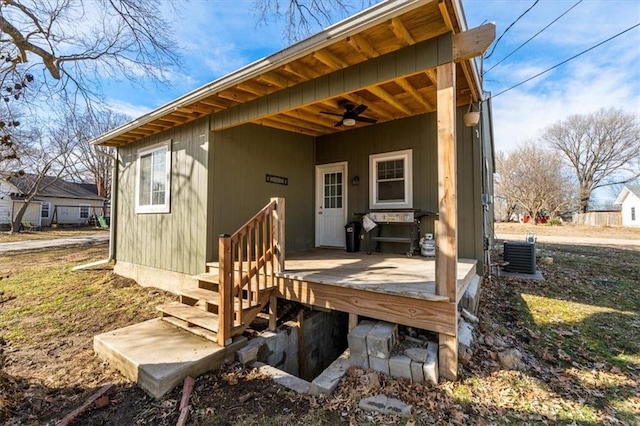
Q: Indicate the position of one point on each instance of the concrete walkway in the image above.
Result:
(557, 239)
(56, 242)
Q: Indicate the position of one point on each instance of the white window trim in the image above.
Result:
(42, 204)
(407, 156)
(158, 208)
(80, 206)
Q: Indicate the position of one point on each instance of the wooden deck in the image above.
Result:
(385, 273)
(384, 286)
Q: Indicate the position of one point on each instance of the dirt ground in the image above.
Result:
(580, 361)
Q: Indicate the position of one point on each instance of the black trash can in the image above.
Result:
(352, 236)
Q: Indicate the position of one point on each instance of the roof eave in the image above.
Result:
(349, 26)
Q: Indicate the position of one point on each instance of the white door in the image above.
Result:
(331, 209)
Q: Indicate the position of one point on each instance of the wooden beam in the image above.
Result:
(468, 75)
(362, 46)
(330, 59)
(372, 110)
(473, 42)
(448, 356)
(401, 31)
(431, 75)
(388, 98)
(312, 117)
(201, 108)
(225, 290)
(428, 315)
(283, 126)
(305, 73)
(276, 80)
(298, 122)
(445, 14)
(254, 88)
(407, 87)
(236, 95)
(447, 243)
(215, 101)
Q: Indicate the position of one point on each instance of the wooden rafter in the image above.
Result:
(254, 88)
(201, 108)
(296, 121)
(276, 80)
(329, 59)
(373, 109)
(362, 46)
(401, 31)
(303, 73)
(407, 87)
(474, 42)
(388, 98)
(445, 14)
(284, 126)
(216, 102)
(309, 115)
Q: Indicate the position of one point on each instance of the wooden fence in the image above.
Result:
(598, 219)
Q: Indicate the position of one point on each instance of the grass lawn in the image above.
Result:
(50, 233)
(568, 230)
(578, 333)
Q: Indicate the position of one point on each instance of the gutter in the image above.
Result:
(354, 24)
(112, 220)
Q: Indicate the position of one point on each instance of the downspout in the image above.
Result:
(112, 221)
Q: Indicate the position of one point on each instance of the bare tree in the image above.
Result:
(506, 204)
(303, 17)
(89, 165)
(602, 148)
(45, 159)
(63, 49)
(533, 180)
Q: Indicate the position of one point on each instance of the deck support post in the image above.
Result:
(273, 313)
(225, 289)
(278, 232)
(353, 321)
(447, 241)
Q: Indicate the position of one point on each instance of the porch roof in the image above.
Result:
(380, 30)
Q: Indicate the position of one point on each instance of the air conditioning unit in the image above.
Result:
(521, 257)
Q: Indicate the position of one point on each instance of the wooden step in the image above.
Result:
(198, 331)
(208, 281)
(210, 299)
(191, 315)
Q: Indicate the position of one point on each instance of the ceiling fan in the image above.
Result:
(351, 115)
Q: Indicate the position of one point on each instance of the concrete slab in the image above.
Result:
(328, 380)
(497, 271)
(158, 356)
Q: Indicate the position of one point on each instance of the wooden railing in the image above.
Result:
(247, 262)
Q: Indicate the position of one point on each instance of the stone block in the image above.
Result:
(381, 339)
(385, 405)
(361, 361)
(379, 364)
(417, 372)
(249, 354)
(328, 380)
(358, 337)
(283, 378)
(430, 367)
(417, 354)
(400, 367)
(465, 335)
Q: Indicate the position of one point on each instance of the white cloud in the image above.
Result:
(126, 108)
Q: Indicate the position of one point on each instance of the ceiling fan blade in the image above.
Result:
(366, 119)
(359, 109)
(338, 124)
(331, 113)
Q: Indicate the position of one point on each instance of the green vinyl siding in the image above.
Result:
(241, 157)
(175, 241)
(419, 134)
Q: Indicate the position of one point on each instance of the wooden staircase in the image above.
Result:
(236, 288)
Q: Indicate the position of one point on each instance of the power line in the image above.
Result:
(565, 61)
(508, 28)
(532, 37)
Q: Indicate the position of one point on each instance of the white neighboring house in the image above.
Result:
(629, 201)
(59, 202)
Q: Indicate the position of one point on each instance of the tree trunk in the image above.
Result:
(17, 221)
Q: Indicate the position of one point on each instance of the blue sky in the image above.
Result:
(218, 37)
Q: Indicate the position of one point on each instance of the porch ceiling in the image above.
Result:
(398, 98)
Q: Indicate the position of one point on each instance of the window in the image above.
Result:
(84, 211)
(153, 179)
(44, 210)
(333, 190)
(633, 214)
(391, 180)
